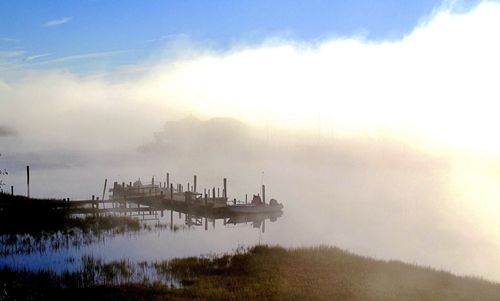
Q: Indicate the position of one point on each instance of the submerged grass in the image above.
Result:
(260, 273)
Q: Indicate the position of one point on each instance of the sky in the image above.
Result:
(89, 34)
(416, 71)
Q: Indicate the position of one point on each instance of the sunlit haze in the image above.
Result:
(436, 83)
(376, 124)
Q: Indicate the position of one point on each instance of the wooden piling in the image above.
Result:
(171, 192)
(225, 188)
(168, 179)
(28, 180)
(104, 190)
(195, 182)
(264, 194)
(11, 190)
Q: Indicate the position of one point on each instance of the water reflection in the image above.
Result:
(30, 233)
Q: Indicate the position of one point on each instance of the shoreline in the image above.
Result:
(257, 273)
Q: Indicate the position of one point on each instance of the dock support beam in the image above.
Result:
(264, 194)
(28, 180)
(194, 183)
(225, 189)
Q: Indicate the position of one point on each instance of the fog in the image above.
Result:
(374, 197)
(435, 86)
(385, 148)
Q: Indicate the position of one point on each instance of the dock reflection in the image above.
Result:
(45, 232)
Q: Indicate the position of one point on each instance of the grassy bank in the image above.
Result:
(22, 215)
(267, 273)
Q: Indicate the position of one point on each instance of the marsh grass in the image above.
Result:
(62, 233)
(260, 273)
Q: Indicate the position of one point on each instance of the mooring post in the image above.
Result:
(246, 198)
(93, 197)
(218, 194)
(188, 187)
(213, 194)
(225, 189)
(264, 194)
(206, 198)
(11, 190)
(104, 190)
(168, 179)
(194, 181)
(171, 192)
(28, 180)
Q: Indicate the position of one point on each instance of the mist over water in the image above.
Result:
(373, 197)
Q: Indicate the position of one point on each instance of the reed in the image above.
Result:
(259, 273)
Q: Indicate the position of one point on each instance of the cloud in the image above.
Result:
(57, 22)
(82, 56)
(438, 82)
(37, 56)
(9, 59)
(7, 54)
(10, 40)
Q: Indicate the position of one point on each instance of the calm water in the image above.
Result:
(432, 216)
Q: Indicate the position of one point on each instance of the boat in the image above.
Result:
(257, 206)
